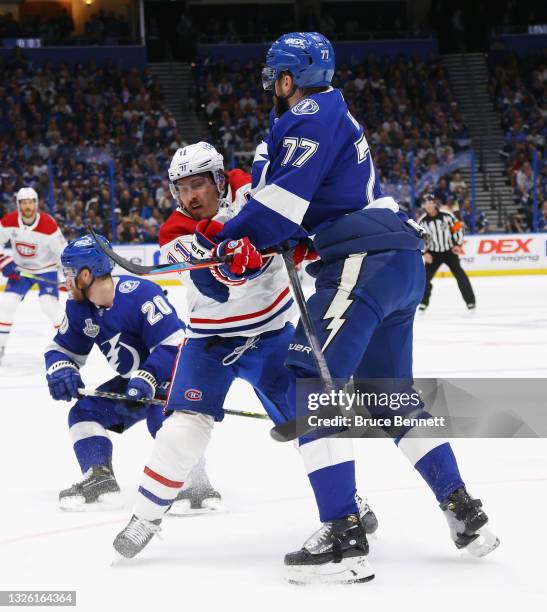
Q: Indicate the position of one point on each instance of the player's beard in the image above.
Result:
(31, 219)
(77, 295)
(281, 105)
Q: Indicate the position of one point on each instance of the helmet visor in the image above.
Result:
(69, 272)
(269, 77)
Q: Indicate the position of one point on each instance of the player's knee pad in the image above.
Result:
(51, 307)
(8, 305)
(81, 411)
(180, 443)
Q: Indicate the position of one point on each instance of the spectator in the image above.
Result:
(50, 111)
(481, 222)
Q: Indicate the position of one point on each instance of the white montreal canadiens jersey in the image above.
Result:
(36, 248)
(259, 305)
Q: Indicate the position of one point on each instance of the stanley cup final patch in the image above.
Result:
(91, 330)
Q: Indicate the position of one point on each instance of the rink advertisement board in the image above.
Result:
(484, 255)
(503, 254)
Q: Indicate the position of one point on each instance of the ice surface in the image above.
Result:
(234, 560)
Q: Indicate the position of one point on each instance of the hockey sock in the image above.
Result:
(436, 463)
(91, 444)
(331, 470)
(178, 446)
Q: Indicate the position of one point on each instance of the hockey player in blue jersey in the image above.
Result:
(139, 332)
(320, 181)
(237, 328)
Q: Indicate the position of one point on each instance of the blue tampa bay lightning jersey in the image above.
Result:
(319, 167)
(140, 331)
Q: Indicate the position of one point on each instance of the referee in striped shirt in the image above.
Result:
(444, 242)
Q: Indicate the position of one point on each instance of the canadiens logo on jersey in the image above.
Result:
(305, 107)
(25, 249)
(193, 395)
(91, 330)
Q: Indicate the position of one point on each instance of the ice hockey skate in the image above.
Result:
(97, 491)
(335, 554)
(197, 499)
(467, 522)
(135, 536)
(368, 518)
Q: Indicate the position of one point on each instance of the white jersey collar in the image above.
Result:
(30, 227)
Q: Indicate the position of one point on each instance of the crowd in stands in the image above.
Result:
(518, 86)
(71, 122)
(77, 120)
(407, 107)
(102, 28)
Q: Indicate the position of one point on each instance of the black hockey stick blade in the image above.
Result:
(291, 430)
(130, 266)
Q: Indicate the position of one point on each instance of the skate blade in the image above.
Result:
(183, 507)
(350, 570)
(484, 544)
(104, 503)
(118, 559)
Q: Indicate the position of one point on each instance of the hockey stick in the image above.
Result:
(182, 266)
(284, 432)
(38, 279)
(119, 397)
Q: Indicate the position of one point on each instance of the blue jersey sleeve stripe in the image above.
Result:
(371, 182)
(283, 202)
(77, 358)
(261, 153)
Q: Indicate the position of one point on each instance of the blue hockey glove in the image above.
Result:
(142, 385)
(64, 380)
(8, 267)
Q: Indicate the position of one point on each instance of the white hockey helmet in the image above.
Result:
(196, 159)
(26, 193)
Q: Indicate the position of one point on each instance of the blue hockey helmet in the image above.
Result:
(83, 253)
(308, 56)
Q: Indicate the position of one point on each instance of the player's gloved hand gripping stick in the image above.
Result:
(183, 266)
